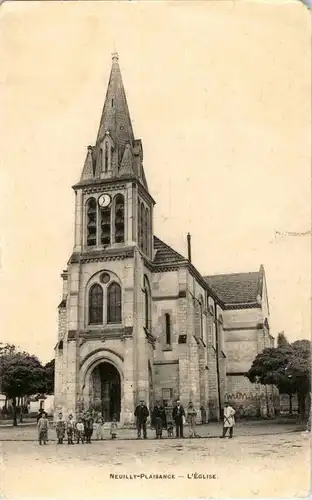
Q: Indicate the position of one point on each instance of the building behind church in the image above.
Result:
(137, 319)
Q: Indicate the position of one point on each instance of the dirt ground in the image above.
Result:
(246, 466)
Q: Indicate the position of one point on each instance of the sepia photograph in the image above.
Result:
(155, 249)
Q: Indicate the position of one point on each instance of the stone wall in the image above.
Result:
(166, 377)
(251, 400)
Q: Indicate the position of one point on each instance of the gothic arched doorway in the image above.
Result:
(106, 391)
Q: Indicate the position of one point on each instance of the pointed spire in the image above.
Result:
(115, 116)
(116, 152)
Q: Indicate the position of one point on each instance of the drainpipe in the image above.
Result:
(217, 360)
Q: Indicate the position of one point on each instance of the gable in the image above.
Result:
(165, 254)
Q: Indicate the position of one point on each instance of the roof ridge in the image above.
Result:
(231, 274)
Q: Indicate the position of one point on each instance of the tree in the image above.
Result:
(49, 369)
(21, 375)
(7, 348)
(282, 340)
(287, 367)
(299, 371)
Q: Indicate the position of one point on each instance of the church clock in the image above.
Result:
(104, 200)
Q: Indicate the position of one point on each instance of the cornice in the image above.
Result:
(246, 305)
(99, 189)
(258, 326)
(163, 268)
(169, 362)
(97, 185)
(110, 254)
(111, 183)
(103, 334)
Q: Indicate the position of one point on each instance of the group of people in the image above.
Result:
(81, 430)
(180, 417)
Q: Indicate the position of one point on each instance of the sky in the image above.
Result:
(219, 93)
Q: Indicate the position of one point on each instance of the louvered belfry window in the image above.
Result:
(119, 219)
(114, 303)
(96, 305)
(105, 226)
(91, 222)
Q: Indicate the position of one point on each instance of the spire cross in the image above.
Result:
(115, 53)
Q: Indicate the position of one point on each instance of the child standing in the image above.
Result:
(170, 429)
(70, 425)
(60, 428)
(43, 429)
(80, 431)
(113, 428)
(99, 428)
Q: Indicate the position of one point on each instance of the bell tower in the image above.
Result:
(120, 210)
(104, 340)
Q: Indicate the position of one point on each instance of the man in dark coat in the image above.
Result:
(141, 413)
(159, 419)
(88, 426)
(177, 414)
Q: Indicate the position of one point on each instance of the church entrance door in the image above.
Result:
(107, 391)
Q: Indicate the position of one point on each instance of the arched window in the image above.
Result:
(119, 219)
(106, 158)
(114, 303)
(212, 325)
(201, 318)
(147, 304)
(146, 232)
(168, 328)
(221, 333)
(142, 227)
(139, 224)
(96, 305)
(101, 158)
(91, 222)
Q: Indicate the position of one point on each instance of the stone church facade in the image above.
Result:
(137, 319)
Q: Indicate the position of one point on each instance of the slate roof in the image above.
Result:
(237, 288)
(165, 254)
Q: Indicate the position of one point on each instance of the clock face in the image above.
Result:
(104, 200)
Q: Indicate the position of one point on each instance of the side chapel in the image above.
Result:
(137, 319)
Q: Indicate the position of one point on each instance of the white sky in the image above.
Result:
(219, 93)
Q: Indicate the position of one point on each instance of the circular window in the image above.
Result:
(104, 278)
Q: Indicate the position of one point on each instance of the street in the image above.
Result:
(246, 466)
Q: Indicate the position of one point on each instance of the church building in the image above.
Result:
(137, 320)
